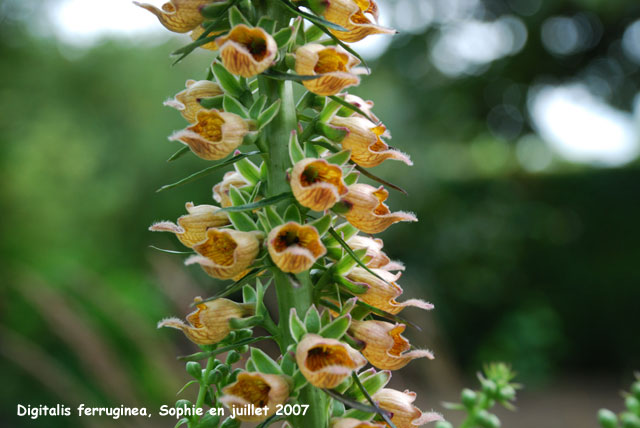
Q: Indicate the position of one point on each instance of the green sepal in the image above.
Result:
(264, 363)
(288, 361)
(231, 423)
(351, 178)
(337, 409)
(313, 34)
(214, 10)
(293, 214)
(232, 105)
(312, 320)
(257, 107)
(339, 158)
(310, 150)
(212, 102)
(331, 132)
(322, 224)
(295, 150)
(269, 114)
(194, 369)
(249, 294)
(345, 231)
(296, 326)
(248, 170)
(350, 286)
(263, 221)
(208, 421)
(372, 383)
(236, 196)
(273, 216)
(250, 366)
(299, 381)
(283, 36)
(246, 322)
(237, 18)
(348, 305)
(242, 221)
(347, 262)
(336, 328)
(267, 24)
(226, 80)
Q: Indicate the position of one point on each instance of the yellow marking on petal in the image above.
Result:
(251, 388)
(400, 344)
(330, 60)
(209, 125)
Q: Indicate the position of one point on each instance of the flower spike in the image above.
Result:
(404, 413)
(226, 253)
(366, 210)
(209, 323)
(383, 290)
(247, 51)
(192, 228)
(215, 135)
(187, 102)
(333, 63)
(179, 16)
(326, 362)
(294, 247)
(385, 347)
(255, 390)
(317, 184)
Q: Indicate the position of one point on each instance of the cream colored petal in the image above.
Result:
(404, 413)
(247, 51)
(317, 184)
(376, 258)
(294, 247)
(191, 228)
(179, 16)
(349, 15)
(221, 190)
(334, 64)
(187, 102)
(226, 253)
(258, 390)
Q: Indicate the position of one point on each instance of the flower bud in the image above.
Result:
(353, 423)
(353, 16)
(469, 398)
(221, 190)
(326, 362)
(607, 418)
(333, 63)
(209, 323)
(317, 184)
(294, 247)
(366, 210)
(215, 135)
(487, 420)
(187, 102)
(226, 253)
(404, 413)
(247, 51)
(178, 16)
(382, 293)
(363, 139)
(384, 346)
(376, 258)
(192, 228)
(253, 390)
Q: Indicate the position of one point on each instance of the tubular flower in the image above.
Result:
(326, 362)
(209, 323)
(404, 413)
(215, 135)
(247, 51)
(382, 293)
(178, 16)
(363, 139)
(221, 190)
(377, 259)
(353, 423)
(352, 15)
(317, 184)
(187, 102)
(332, 63)
(385, 347)
(198, 31)
(192, 228)
(254, 390)
(294, 247)
(226, 253)
(366, 210)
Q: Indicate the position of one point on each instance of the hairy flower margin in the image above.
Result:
(301, 219)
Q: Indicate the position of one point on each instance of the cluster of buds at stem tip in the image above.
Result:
(301, 218)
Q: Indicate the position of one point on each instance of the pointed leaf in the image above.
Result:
(260, 204)
(273, 216)
(227, 80)
(264, 363)
(347, 262)
(269, 114)
(237, 323)
(322, 224)
(312, 18)
(336, 328)
(248, 170)
(181, 152)
(236, 17)
(283, 36)
(313, 34)
(242, 221)
(312, 320)
(237, 198)
(349, 251)
(351, 178)
(293, 214)
(231, 105)
(296, 326)
(248, 294)
(214, 10)
(266, 23)
(257, 107)
(212, 102)
(385, 415)
(295, 151)
(339, 158)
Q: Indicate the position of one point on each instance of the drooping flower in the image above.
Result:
(376, 258)
(326, 362)
(294, 247)
(403, 413)
(192, 228)
(221, 190)
(385, 347)
(215, 135)
(363, 139)
(226, 253)
(353, 423)
(198, 31)
(333, 63)
(187, 102)
(358, 17)
(178, 16)
(366, 210)
(255, 390)
(383, 290)
(317, 184)
(247, 51)
(209, 323)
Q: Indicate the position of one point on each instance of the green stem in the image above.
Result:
(202, 393)
(471, 422)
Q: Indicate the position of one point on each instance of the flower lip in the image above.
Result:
(317, 184)
(257, 389)
(352, 15)
(179, 16)
(294, 247)
(187, 102)
(192, 227)
(247, 51)
(334, 65)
